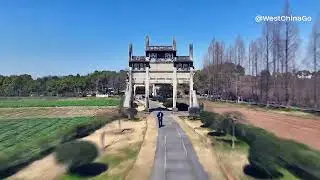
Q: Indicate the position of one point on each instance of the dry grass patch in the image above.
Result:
(145, 160)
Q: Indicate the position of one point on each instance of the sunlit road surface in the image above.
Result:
(175, 157)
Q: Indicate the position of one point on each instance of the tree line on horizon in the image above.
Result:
(267, 70)
(72, 85)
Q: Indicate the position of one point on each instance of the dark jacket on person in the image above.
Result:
(160, 115)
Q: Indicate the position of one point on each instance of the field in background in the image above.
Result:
(286, 111)
(22, 137)
(52, 112)
(57, 102)
(303, 128)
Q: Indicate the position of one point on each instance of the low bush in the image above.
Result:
(268, 153)
(77, 153)
(181, 106)
(131, 113)
(194, 113)
(215, 121)
(208, 118)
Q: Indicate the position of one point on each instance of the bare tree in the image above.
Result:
(240, 57)
(267, 32)
(291, 44)
(251, 58)
(314, 53)
(211, 70)
(276, 58)
(271, 60)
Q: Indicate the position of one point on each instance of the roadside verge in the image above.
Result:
(142, 168)
(203, 150)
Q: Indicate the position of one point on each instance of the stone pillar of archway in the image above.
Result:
(191, 88)
(174, 88)
(134, 90)
(130, 87)
(147, 89)
(153, 90)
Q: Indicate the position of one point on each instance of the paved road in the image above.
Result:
(175, 157)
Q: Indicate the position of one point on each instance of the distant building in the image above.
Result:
(304, 74)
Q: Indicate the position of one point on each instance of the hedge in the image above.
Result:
(76, 153)
(267, 152)
(181, 106)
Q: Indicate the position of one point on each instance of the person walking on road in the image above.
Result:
(160, 116)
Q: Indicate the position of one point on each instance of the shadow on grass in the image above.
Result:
(204, 126)
(89, 170)
(258, 174)
(217, 134)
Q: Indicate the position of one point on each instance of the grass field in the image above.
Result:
(24, 140)
(57, 102)
(52, 112)
(31, 127)
(27, 132)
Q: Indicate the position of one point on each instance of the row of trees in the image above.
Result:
(96, 82)
(267, 71)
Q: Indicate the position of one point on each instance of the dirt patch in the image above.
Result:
(203, 149)
(47, 112)
(303, 130)
(47, 168)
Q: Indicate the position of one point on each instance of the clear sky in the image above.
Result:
(60, 37)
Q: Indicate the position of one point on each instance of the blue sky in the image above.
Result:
(60, 37)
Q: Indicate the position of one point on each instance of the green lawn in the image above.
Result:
(57, 102)
(22, 140)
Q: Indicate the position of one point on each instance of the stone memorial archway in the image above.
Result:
(160, 65)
